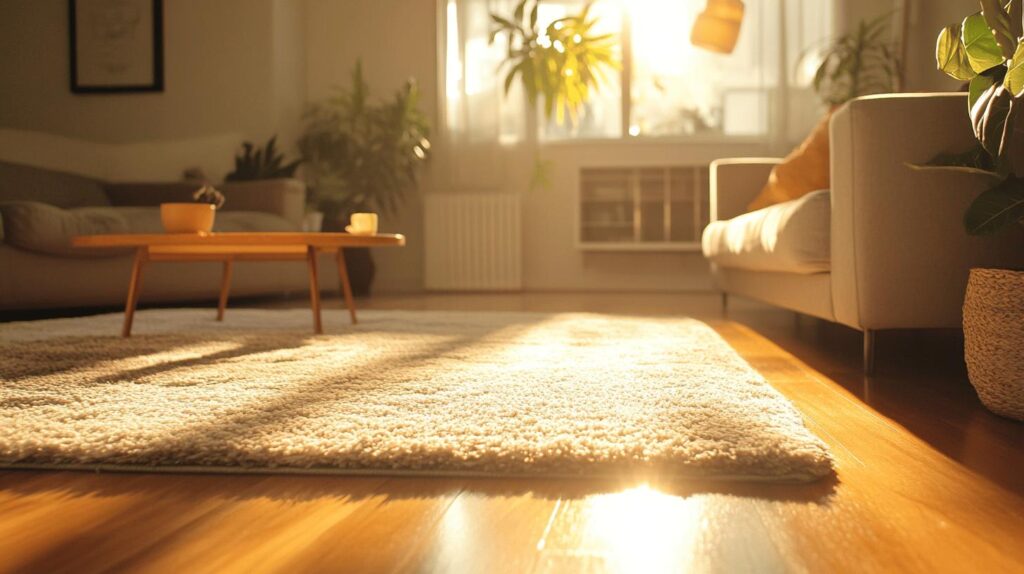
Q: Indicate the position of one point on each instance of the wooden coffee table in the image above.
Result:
(230, 247)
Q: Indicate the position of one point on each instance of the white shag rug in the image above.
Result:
(423, 392)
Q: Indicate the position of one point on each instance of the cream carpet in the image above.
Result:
(420, 392)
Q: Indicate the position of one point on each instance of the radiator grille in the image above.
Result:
(473, 241)
(643, 208)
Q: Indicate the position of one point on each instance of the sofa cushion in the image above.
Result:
(790, 237)
(804, 170)
(46, 229)
(26, 183)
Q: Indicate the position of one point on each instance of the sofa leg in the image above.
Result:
(725, 303)
(869, 352)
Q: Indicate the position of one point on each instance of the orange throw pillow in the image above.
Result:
(804, 170)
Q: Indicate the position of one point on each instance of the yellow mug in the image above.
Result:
(363, 224)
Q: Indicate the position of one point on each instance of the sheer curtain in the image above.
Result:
(676, 90)
(484, 127)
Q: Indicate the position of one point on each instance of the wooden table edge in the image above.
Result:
(147, 248)
(316, 240)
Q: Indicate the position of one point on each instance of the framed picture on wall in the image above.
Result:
(116, 46)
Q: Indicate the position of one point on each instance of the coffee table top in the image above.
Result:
(240, 239)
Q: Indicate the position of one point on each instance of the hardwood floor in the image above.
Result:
(927, 481)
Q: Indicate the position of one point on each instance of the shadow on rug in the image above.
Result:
(435, 393)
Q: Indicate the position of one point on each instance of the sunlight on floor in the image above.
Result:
(637, 530)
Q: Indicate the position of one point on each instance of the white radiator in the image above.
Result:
(473, 241)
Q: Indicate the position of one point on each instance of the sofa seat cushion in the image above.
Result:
(46, 229)
(790, 237)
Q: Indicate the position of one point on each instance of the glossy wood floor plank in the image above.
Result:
(927, 481)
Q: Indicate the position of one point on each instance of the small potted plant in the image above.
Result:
(254, 163)
(194, 217)
(986, 50)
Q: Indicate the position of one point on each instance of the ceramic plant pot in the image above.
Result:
(313, 221)
(187, 217)
(994, 339)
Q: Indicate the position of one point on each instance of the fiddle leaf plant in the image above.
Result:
(986, 50)
(561, 63)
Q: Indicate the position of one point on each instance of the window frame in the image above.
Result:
(778, 96)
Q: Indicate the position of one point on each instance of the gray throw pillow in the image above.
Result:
(43, 228)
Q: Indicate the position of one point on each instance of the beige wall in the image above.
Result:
(927, 17)
(232, 68)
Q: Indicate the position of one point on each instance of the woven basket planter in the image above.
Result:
(994, 339)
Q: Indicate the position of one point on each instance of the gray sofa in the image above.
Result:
(40, 210)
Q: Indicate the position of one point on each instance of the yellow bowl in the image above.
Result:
(187, 217)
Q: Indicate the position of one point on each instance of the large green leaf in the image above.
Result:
(998, 20)
(951, 56)
(996, 208)
(983, 51)
(1014, 80)
(979, 84)
(988, 117)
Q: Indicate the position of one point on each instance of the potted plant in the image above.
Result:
(560, 63)
(192, 217)
(860, 63)
(987, 50)
(363, 156)
(255, 163)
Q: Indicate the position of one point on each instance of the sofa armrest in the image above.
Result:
(900, 255)
(736, 182)
(283, 197)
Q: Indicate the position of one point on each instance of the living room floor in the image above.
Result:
(927, 480)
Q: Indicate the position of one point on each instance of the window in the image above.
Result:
(666, 86)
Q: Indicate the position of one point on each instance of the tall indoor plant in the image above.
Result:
(559, 64)
(363, 155)
(987, 50)
(860, 63)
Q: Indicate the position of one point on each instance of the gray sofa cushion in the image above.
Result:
(43, 228)
(26, 183)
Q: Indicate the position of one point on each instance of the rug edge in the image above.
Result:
(342, 472)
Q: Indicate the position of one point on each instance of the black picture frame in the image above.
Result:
(157, 83)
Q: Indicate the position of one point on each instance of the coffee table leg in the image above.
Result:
(225, 287)
(346, 287)
(134, 286)
(314, 289)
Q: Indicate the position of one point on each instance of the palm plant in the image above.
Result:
(261, 163)
(561, 63)
(362, 155)
(987, 50)
(860, 63)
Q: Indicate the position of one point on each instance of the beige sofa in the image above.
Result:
(883, 249)
(40, 210)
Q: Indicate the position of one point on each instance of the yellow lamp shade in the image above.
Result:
(717, 28)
